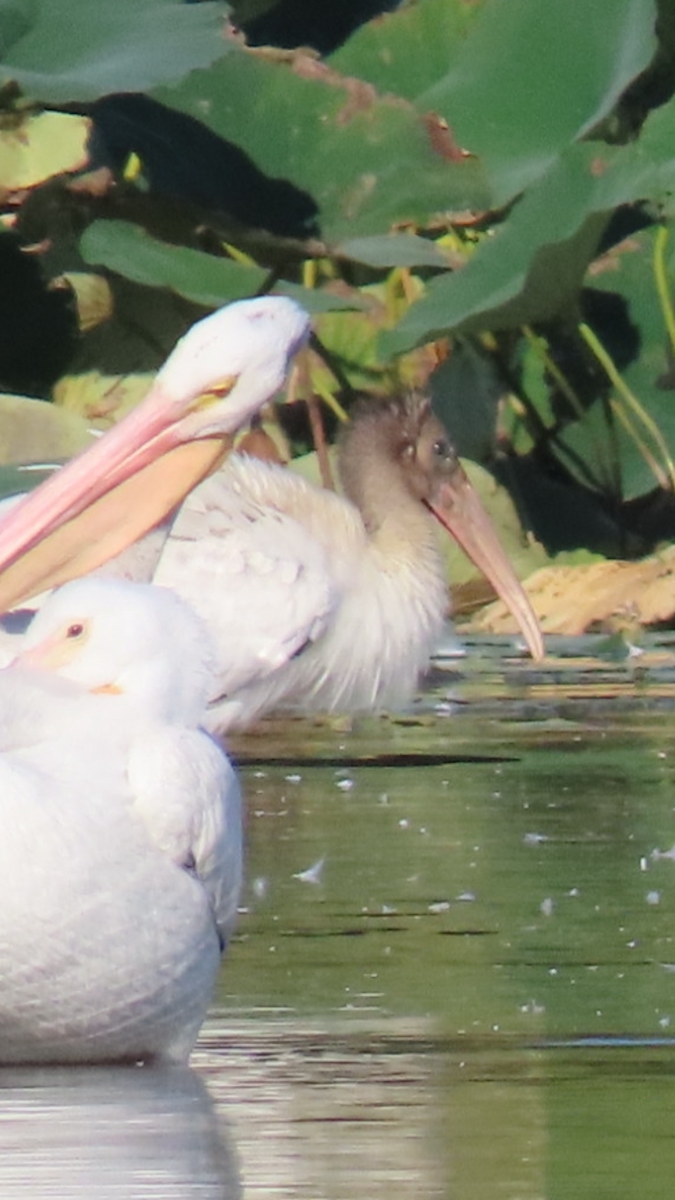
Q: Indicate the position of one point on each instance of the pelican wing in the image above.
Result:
(243, 553)
(95, 922)
(187, 794)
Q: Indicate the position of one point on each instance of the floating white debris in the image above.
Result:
(546, 907)
(448, 645)
(653, 897)
(533, 1007)
(259, 887)
(439, 906)
(313, 873)
(657, 854)
(345, 785)
(534, 839)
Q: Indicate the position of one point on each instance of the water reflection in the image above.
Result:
(331, 1110)
(330, 1113)
(340, 1112)
(108, 1133)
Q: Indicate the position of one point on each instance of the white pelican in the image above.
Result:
(313, 600)
(120, 852)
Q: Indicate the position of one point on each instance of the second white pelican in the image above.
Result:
(120, 820)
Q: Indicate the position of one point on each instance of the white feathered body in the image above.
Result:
(120, 869)
(305, 607)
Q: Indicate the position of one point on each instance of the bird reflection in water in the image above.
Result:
(113, 1133)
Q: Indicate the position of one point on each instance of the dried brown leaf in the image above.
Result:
(610, 595)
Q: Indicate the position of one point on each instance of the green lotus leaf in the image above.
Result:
(81, 49)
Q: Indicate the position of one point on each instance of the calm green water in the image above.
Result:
(519, 895)
(475, 994)
(454, 975)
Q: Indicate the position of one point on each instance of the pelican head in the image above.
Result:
(242, 353)
(219, 375)
(125, 639)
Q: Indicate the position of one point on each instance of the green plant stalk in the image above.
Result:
(397, 291)
(661, 276)
(330, 400)
(516, 396)
(653, 464)
(239, 256)
(618, 382)
(540, 347)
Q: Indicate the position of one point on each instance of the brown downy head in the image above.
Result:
(395, 443)
(397, 450)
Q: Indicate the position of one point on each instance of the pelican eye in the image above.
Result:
(215, 391)
(75, 630)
